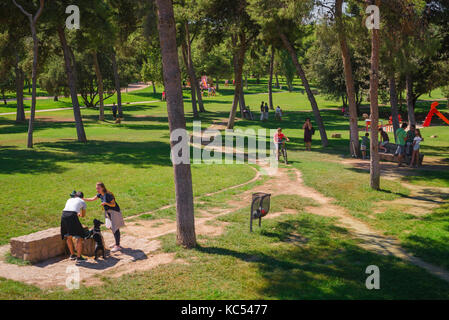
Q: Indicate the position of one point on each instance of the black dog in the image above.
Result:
(95, 234)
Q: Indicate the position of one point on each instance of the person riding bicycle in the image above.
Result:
(279, 140)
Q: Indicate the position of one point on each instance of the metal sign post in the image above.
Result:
(260, 207)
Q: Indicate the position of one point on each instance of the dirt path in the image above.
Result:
(140, 237)
(422, 199)
(131, 87)
(372, 240)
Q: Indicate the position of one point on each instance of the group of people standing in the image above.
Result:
(408, 143)
(75, 208)
(265, 112)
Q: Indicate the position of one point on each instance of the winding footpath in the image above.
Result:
(141, 237)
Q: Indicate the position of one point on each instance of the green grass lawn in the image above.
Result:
(133, 160)
(322, 260)
(298, 256)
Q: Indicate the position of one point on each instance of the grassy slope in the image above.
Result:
(265, 264)
(293, 257)
(133, 160)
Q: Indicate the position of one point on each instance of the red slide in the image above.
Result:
(433, 111)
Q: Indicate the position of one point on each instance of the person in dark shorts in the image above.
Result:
(113, 215)
(308, 132)
(114, 111)
(71, 226)
(409, 140)
(401, 138)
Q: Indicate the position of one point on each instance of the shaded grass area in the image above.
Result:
(298, 256)
(350, 188)
(292, 257)
(425, 236)
(429, 178)
(133, 160)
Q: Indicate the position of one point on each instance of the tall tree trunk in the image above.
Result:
(34, 84)
(194, 103)
(192, 70)
(33, 22)
(20, 115)
(191, 78)
(305, 82)
(70, 67)
(154, 87)
(240, 59)
(270, 80)
(394, 103)
(410, 99)
(242, 102)
(172, 80)
(99, 84)
(277, 80)
(117, 83)
(350, 88)
(374, 108)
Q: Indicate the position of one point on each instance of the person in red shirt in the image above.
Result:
(279, 139)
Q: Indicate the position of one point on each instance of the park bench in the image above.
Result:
(43, 245)
(389, 155)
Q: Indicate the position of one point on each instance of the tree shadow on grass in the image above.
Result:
(136, 154)
(322, 265)
(15, 160)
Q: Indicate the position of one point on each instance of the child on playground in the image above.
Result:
(416, 146)
(364, 145)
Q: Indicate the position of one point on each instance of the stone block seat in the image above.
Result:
(43, 245)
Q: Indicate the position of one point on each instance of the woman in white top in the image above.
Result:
(278, 113)
(416, 145)
(71, 226)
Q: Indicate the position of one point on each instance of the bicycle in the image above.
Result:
(282, 149)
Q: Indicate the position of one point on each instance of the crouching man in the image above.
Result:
(71, 226)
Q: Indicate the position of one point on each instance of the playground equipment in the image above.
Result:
(434, 111)
(259, 208)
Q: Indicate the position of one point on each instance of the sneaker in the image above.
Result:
(80, 258)
(116, 248)
(73, 257)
